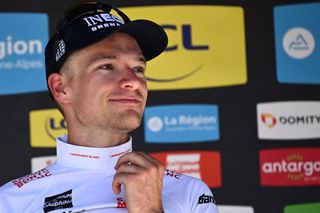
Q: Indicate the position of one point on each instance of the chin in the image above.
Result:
(129, 123)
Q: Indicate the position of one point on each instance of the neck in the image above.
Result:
(100, 138)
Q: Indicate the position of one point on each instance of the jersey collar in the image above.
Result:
(90, 157)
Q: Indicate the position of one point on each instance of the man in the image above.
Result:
(95, 66)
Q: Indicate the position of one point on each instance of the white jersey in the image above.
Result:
(81, 180)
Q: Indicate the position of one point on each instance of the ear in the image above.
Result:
(57, 85)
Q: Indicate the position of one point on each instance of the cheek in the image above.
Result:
(144, 89)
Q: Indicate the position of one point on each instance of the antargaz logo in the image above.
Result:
(22, 66)
(181, 123)
(290, 167)
(45, 127)
(199, 50)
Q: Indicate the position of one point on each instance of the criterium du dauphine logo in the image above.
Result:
(298, 43)
(22, 41)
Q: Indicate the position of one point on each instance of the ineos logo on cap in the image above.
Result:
(102, 20)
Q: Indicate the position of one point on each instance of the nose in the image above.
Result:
(129, 79)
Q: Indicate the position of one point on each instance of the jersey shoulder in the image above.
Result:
(26, 189)
(192, 194)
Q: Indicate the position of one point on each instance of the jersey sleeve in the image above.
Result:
(203, 200)
(8, 203)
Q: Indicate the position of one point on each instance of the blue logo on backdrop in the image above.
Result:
(23, 37)
(297, 32)
(181, 123)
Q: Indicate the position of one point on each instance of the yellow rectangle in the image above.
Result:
(206, 46)
(45, 126)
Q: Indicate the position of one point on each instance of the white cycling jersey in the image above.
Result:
(81, 180)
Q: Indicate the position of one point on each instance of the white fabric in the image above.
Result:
(81, 180)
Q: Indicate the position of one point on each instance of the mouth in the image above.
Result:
(129, 101)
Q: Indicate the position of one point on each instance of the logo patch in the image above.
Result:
(181, 123)
(22, 67)
(303, 207)
(204, 165)
(201, 49)
(235, 209)
(45, 127)
(289, 120)
(121, 203)
(102, 20)
(206, 199)
(61, 49)
(297, 43)
(34, 176)
(59, 201)
(290, 167)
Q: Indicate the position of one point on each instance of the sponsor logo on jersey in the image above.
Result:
(204, 165)
(290, 167)
(174, 174)
(235, 209)
(22, 66)
(121, 203)
(84, 155)
(59, 201)
(120, 153)
(206, 199)
(199, 51)
(20, 182)
(296, 36)
(303, 207)
(289, 120)
(181, 123)
(39, 163)
(45, 126)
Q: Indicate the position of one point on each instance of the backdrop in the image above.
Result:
(234, 100)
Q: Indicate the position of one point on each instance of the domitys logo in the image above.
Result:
(288, 120)
(268, 119)
(290, 167)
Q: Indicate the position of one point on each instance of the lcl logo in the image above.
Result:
(186, 35)
(186, 30)
(55, 126)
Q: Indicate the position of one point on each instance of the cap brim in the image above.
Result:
(150, 37)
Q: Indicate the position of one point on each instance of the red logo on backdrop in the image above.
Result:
(290, 167)
(268, 119)
(204, 165)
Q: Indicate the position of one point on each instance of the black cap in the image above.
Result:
(89, 22)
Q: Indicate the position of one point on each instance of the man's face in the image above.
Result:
(107, 84)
